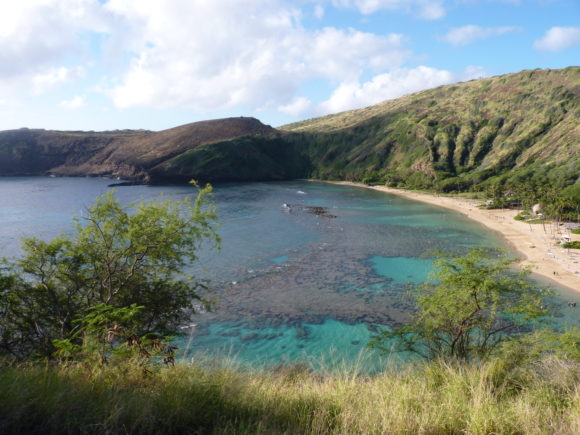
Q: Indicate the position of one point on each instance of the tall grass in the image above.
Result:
(431, 399)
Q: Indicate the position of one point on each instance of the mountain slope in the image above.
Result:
(516, 128)
(457, 135)
(129, 154)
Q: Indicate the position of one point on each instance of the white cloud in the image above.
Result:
(558, 38)
(399, 82)
(43, 81)
(426, 9)
(37, 35)
(219, 55)
(465, 35)
(318, 11)
(195, 54)
(209, 56)
(296, 108)
(432, 10)
(472, 72)
(342, 55)
(74, 103)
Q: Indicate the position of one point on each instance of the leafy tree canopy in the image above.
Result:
(468, 310)
(117, 257)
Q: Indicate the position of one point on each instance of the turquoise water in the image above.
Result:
(403, 270)
(305, 283)
(281, 259)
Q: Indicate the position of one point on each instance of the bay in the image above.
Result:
(307, 282)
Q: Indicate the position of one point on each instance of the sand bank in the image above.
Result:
(537, 248)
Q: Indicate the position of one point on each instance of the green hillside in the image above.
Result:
(517, 126)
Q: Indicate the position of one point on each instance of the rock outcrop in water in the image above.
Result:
(452, 137)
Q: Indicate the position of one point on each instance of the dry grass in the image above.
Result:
(486, 98)
(429, 399)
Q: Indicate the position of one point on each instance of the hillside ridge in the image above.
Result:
(124, 153)
(516, 127)
(456, 136)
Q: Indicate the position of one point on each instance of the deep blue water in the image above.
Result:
(302, 284)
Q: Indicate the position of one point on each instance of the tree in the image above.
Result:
(116, 256)
(527, 195)
(472, 305)
(496, 192)
(107, 334)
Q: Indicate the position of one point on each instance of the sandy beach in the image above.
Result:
(537, 248)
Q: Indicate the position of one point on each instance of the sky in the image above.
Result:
(156, 64)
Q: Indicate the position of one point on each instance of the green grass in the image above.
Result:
(572, 245)
(434, 398)
(537, 221)
(576, 231)
(530, 218)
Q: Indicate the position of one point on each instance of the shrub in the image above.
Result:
(572, 245)
(468, 311)
(117, 256)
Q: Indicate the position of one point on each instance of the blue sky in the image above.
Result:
(156, 64)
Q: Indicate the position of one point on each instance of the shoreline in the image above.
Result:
(535, 247)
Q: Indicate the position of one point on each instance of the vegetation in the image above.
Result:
(117, 257)
(504, 131)
(556, 204)
(123, 154)
(107, 335)
(89, 312)
(494, 397)
(572, 245)
(510, 137)
(474, 307)
(100, 299)
(247, 158)
(530, 218)
(494, 135)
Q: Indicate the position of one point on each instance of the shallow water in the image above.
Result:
(304, 284)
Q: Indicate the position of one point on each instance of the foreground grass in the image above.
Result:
(432, 398)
